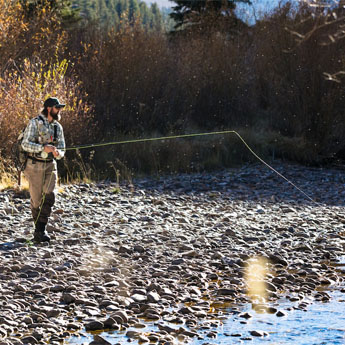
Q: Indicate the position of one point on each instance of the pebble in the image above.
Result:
(170, 250)
(281, 313)
(258, 333)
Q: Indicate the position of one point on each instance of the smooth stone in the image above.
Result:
(94, 325)
(29, 340)
(98, 340)
(245, 315)
(122, 315)
(132, 334)
(258, 333)
(281, 313)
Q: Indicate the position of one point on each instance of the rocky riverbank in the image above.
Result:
(171, 250)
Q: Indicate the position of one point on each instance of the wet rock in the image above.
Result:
(94, 325)
(143, 339)
(258, 333)
(132, 334)
(98, 340)
(185, 311)
(166, 328)
(246, 315)
(281, 313)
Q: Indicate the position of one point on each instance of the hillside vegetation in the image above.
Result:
(124, 73)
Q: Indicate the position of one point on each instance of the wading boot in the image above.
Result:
(41, 234)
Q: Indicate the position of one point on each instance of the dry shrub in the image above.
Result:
(23, 36)
(211, 86)
(31, 70)
(171, 155)
(124, 73)
(12, 27)
(22, 95)
(7, 174)
(143, 81)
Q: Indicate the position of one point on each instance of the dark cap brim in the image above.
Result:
(60, 106)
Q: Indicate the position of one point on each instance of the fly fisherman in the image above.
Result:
(44, 142)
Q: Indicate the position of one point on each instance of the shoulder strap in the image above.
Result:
(55, 132)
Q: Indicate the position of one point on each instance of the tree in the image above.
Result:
(110, 13)
(204, 12)
(32, 29)
(133, 10)
(69, 14)
(325, 21)
(157, 21)
(145, 14)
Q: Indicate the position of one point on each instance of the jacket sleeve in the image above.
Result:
(29, 142)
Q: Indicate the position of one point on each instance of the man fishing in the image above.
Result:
(44, 141)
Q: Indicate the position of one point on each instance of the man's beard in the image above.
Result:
(56, 117)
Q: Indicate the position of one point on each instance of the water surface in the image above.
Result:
(321, 323)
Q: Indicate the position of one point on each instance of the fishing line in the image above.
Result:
(190, 136)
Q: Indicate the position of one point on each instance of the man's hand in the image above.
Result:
(51, 149)
(56, 153)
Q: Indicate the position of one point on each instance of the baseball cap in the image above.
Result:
(53, 102)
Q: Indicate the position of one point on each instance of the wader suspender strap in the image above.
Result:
(55, 133)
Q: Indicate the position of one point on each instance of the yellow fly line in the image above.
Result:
(149, 139)
(131, 141)
(179, 137)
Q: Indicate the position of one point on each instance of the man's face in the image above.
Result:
(55, 113)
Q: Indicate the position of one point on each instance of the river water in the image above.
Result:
(320, 323)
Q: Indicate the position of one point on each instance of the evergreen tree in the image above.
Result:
(168, 22)
(202, 12)
(157, 21)
(63, 8)
(121, 7)
(133, 10)
(107, 13)
(145, 14)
